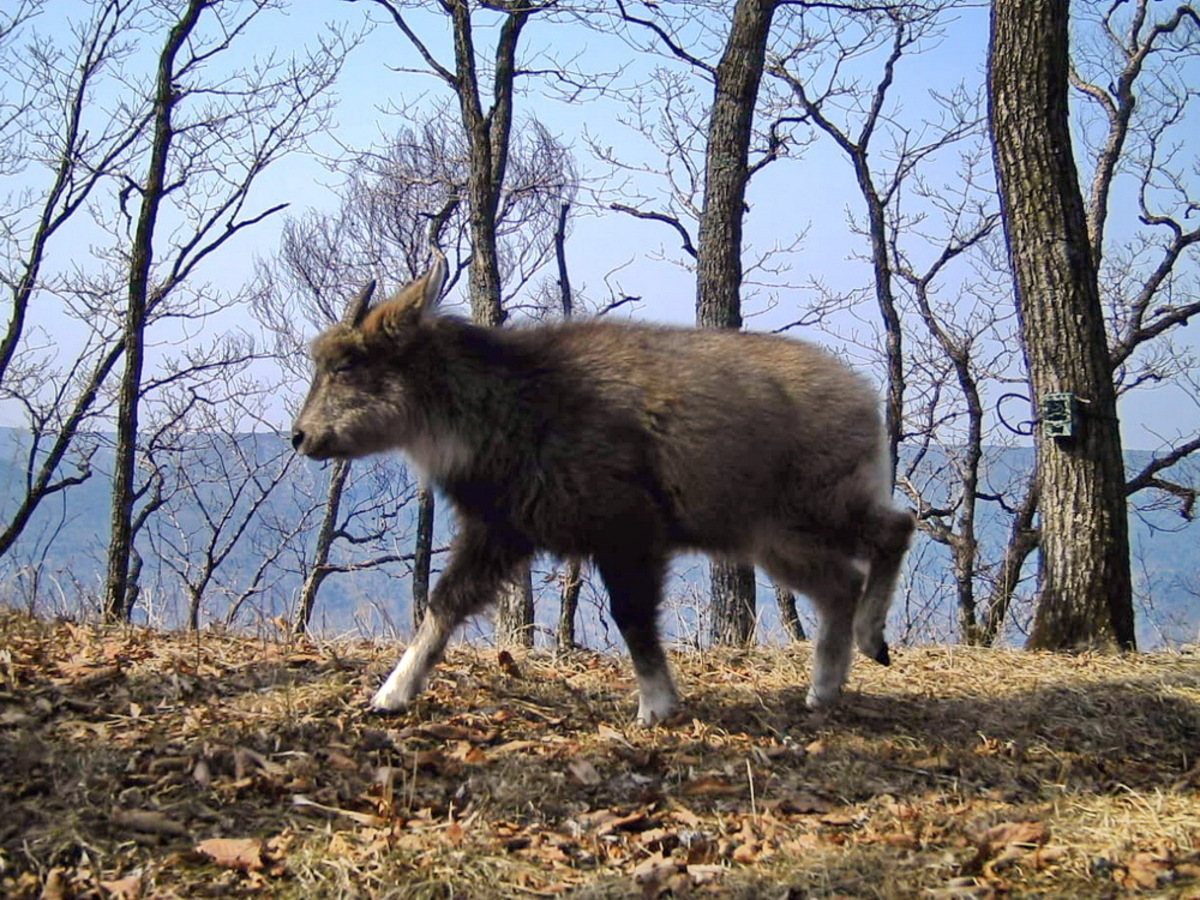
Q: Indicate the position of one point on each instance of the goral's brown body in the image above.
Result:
(625, 444)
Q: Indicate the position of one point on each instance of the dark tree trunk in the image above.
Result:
(124, 494)
(319, 570)
(569, 603)
(719, 257)
(569, 606)
(788, 616)
(488, 141)
(1085, 593)
(422, 555)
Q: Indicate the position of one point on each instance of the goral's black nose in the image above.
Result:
(297, 438)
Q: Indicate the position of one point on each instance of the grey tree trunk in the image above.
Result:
(719, 255)
(788, 617)
(1085, 591)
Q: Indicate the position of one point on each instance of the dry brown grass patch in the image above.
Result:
(140, 764)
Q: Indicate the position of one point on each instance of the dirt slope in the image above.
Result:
(140, 764)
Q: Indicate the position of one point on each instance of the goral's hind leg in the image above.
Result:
(481, 561)
(634, 588)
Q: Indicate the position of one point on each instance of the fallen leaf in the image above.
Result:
(55, 887)
(127, 888)
(339, 760)
(149, 821)
(1050, 855)
(507, 664)
(839, 819)
(606, 821)
(583, 771)
(608, 733)
(202, 773)
(244, 759)
(466, 752)
(514, 746)
(14, 715)
(711, 786)
(85, 675)
(234, 853)
(1144, 871)
(803, 803)
(1031, 834)
(655, 873)
(444, 731)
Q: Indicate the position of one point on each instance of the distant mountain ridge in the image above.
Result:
(61, 556)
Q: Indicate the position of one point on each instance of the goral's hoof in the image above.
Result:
(883, 657)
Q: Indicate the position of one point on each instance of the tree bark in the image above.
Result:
(325, 536)
(422, 555)
(788, 617)
(569, 606)
(719, 256)
(124, 494)
(488, 143)
(514, 612)
(1085, 590)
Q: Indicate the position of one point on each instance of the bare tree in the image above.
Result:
(64, 140)
(485, 100)
(213, 132)
(727, 170)
(217, 479)
(1085, 582)
(1132, 75)
(1127, 71)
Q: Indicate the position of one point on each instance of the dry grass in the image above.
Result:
(141, 764)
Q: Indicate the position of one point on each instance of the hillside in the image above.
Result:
(66, 544)
(141, 764)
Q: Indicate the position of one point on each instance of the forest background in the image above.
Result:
(194, 189)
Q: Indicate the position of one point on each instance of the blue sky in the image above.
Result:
(813, 194)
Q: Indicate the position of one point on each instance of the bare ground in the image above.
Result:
(140, 764)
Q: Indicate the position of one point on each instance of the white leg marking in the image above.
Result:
(657, 698)
(411, 674)
(402, 686)
(831, 669)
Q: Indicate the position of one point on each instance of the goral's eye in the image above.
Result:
(344, 366)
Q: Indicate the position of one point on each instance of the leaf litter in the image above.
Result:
(139, 764)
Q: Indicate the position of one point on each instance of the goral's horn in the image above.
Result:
(356, 310)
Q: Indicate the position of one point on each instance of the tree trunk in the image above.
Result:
(325, 537)
(719, 256)
(1023, 539)
(788, 617)
(513, 618)
(569, 606)
(1085, 591)
(422, 555)
(569, 602)
(488, 140)
(134, 333)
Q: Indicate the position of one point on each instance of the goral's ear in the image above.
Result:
(410, 303)
(356, 309)
(432, 283)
